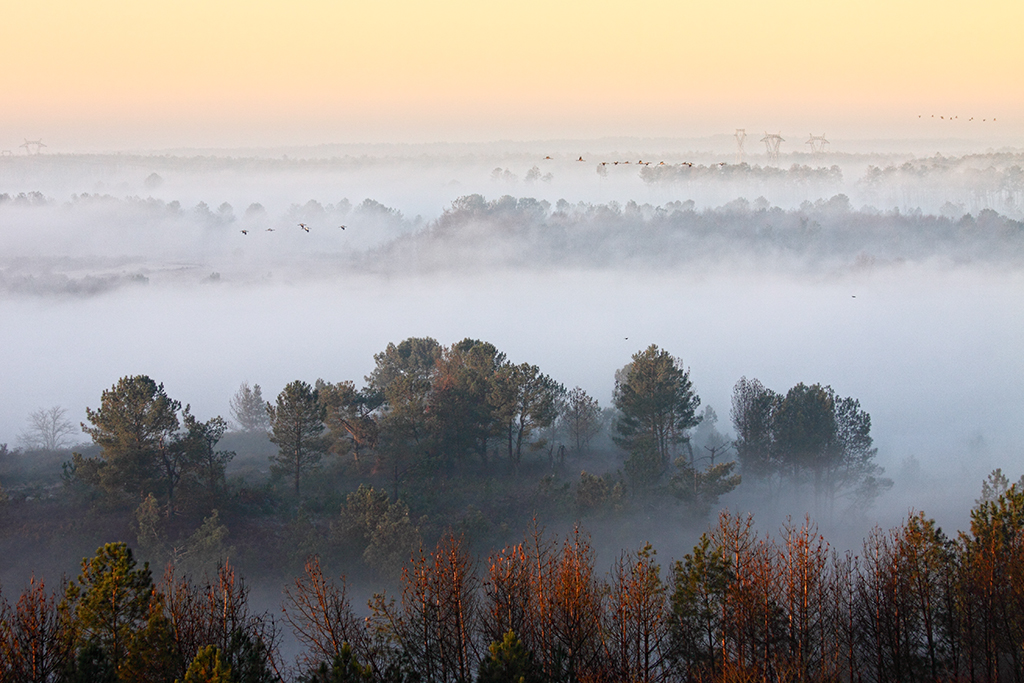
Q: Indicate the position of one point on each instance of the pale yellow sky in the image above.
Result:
(121, 74)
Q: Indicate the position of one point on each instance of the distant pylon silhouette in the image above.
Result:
(771, 142)
(817, 143)
(33, 146)
(741, 135)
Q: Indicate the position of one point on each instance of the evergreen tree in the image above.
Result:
(119, 611)
(343, 668)
(509, 662)
(135, 427)
(249, 409)
(208, 667)
(297, 422)
(658, 408)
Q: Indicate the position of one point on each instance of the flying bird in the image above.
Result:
(342, 227)
(304, 227)
(270, 230)
(580, 159)
(245, 232)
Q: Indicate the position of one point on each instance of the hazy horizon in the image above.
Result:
(155, 231)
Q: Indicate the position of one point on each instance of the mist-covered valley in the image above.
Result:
(894, 279)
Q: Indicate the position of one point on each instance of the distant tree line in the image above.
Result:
(913, 605)
(528, 233)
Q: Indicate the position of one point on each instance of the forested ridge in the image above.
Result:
(420, 484)
(913, 605)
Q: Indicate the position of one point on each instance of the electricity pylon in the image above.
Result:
(771, 142)
(31, 145)
(741, 135)
(817, 143)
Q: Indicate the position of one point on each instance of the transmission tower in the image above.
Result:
(771, 142)
(33, 146)
(817, 143)
(741, 135)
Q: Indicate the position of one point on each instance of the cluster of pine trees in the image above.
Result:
(913, 605)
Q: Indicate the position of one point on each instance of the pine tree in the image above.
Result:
(297, 422)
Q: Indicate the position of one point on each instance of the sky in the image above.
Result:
(123, 75)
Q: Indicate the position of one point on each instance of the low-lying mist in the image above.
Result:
(898, 281)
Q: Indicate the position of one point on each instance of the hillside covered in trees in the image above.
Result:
(913, 605)
(439, 439)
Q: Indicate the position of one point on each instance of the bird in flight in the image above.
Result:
(580, 159)
(342, 227)
(245, 232)
(304, 227)
(270, 230)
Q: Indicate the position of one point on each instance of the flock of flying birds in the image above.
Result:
(304, 226)
(950, 118)
(641, 162)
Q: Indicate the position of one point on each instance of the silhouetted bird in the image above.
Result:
(304, 227)
(342, 227)
(270, 230)
(580, 159)
(245, 232)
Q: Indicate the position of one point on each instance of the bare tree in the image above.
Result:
(321, 617)
(635, 643)
(37, 641)
(581, 418)
(48, 430)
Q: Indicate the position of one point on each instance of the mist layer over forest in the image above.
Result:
(893, 278)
